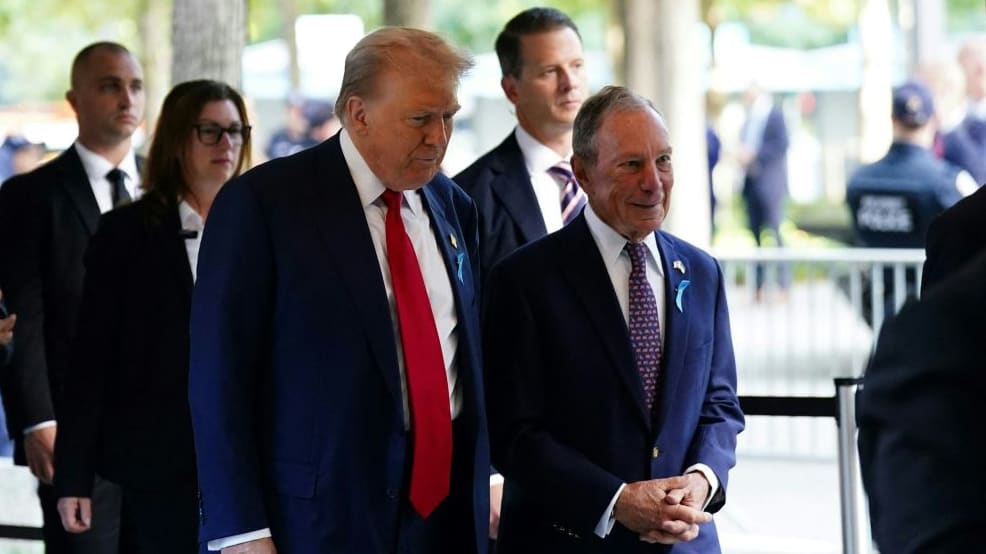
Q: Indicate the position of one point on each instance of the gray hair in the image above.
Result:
(383, 49)
(590, 117)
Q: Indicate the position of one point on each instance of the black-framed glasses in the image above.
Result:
(210, 134)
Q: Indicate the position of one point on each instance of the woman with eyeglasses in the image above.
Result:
(126, 415)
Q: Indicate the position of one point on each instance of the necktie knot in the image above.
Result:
(572, 198)
(118, 187)
(637, 252)
(393, 199)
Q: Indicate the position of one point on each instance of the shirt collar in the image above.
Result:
(368, 185)
(611, 243)
(537, 157)
(190, 219)
(97, 167)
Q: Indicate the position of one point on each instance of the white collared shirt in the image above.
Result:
(97, 167)
(538, 158)
(618, 266)
(191, 221)
(417, 224)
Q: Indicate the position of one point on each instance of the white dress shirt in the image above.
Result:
(96, 168)
(191, 221)
(539, 158)
(417, 224)
(618, 266)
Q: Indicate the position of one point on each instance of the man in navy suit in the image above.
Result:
(610, 369)
(519, 196)
(327, 419)
(965, 145)
(53, 211)
(920, 438)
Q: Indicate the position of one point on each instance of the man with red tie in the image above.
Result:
(610, 370)
(335, 385)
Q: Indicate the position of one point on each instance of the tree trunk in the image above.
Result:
(407, 13)
(156, 58)
(289, 14)
(208, 37)
(875, 33)
(662, 63)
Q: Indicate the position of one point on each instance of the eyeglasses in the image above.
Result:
(210, 134)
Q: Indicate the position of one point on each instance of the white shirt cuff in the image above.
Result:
(219, 544)
(607, 522)
(710, 476)
(42, 425)
(496, 479)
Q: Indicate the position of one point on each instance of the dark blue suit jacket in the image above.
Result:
(965, 147)
(567, 414)
(919, 414)
(509, 215)
(765, 182)
(294, 386)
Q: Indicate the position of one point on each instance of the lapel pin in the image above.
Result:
(680, 293)
(679, 266)
(455, 243)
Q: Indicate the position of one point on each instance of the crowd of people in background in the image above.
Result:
(342, 349)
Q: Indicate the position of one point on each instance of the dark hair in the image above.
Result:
(383, 49)
(528, 22)
(163, 178)
(83, 56)
(590, 117)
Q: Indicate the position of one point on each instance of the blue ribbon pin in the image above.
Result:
(458, 263)
(681, 291)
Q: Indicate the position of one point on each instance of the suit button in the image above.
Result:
(392, 493)
(655, 453)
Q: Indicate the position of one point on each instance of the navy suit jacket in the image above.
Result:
(765, 181)
(919, 415)
(965, 147)
(294, 387)
(567, 415)
(125, 411)
(955, 237)
(509, 215)
(47, 216)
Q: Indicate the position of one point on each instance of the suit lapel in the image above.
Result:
(338, 215)
(75, 183)
(512, 186)
(584, 269)
(676, 329)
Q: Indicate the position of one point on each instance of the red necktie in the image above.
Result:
(427, 384)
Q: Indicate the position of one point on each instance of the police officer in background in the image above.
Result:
(894, 200)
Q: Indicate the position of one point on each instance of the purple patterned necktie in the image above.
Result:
(572, 197)
(644, 325)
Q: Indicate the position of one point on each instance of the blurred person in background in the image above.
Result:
(53, 211)
(18, 155)
(524, 188)
(125, 411)
(965, 145)
(893, 201)
(309, 122)
(763, 158)
(321, 118)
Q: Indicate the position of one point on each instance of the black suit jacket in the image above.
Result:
(509, 215)
(920, 430)
(955, 237)
(47, 216)
(124, 412)
(6, 349)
